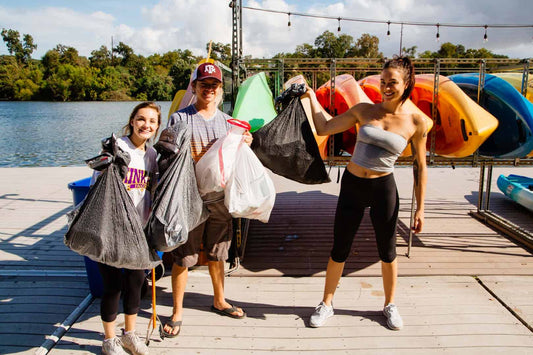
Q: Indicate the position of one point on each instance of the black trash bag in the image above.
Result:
(287, 146)
(295, 90)
(107, 228)
(177, 207)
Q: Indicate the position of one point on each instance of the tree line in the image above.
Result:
(107, 74)
(120, 74)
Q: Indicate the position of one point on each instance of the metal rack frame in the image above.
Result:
(280, 68)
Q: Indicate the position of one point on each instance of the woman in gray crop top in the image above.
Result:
(384, 131)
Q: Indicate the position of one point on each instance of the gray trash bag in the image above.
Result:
(177, 207)
(107, 227)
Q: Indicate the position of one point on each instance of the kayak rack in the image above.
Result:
(485, 215)
(320, 70)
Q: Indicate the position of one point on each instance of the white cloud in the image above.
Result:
(178, 24)
(51, 26)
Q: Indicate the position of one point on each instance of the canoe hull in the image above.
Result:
(255, 103)
(348, 93)
(461, 125)
(514, 136)
(518, 188)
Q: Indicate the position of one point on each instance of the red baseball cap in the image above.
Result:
(207, 70)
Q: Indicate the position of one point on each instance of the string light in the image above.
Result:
(408, 23)
(437, 36)
(289, 23)
(485, 37)
(339, 28)
(388, 28)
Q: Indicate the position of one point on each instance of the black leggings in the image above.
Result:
(116, 281)
(381, 195)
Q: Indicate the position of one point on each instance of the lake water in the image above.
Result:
(60, 133)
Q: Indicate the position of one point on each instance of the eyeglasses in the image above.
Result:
(209, 86)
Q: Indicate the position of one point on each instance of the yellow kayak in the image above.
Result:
(461, 124)
(515, 79)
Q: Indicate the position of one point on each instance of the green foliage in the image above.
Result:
(108, 74)
(100, 58)
(22, 50)
(409, 52)
(329, 45)
(220, 52)
(450, 50)
(180, 72)
(120, 74)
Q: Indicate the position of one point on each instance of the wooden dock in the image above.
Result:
(465, 289)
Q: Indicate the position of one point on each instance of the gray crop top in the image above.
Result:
(377, 149)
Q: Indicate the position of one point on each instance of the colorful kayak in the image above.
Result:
(254, 103)
(347, 94)
(518, 188)
(514, 136)
(176, 102)
(461, 125)
(370, 86)
(321, 141)
(515, 79)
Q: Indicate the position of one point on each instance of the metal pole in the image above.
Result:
(411, 222)
(401, 38)
(489, 183)
(525, 77)
(481, 185)
(236, 48)
(434, 110)
(333, 73)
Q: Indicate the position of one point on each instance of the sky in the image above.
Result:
(159, 26)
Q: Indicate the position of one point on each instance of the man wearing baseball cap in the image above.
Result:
(208, 124)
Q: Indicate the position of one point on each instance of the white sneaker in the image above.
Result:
(394, 321)
(321, 315)
(133, 343)
(113, 346)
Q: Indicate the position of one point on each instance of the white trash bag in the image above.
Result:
(249, 191)
(215, 167)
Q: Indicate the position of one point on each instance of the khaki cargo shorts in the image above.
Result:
(215, 234)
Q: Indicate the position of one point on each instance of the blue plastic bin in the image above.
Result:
(80, 189)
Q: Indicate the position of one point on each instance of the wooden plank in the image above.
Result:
(441, 314)
(516, 292)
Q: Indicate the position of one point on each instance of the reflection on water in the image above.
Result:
(59, 133)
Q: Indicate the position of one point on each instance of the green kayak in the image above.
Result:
(254, 103)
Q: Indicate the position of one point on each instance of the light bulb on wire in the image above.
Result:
(339, 28)
(485, 37)
(437, 36)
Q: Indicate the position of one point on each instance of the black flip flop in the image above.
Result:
(228, 312)
(172, 324)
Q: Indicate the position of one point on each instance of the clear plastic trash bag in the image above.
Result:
(249, 192)
(215, 167)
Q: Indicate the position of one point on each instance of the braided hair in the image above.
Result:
(406, 66)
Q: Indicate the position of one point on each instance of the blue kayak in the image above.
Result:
(518, 188)
(514, 136)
